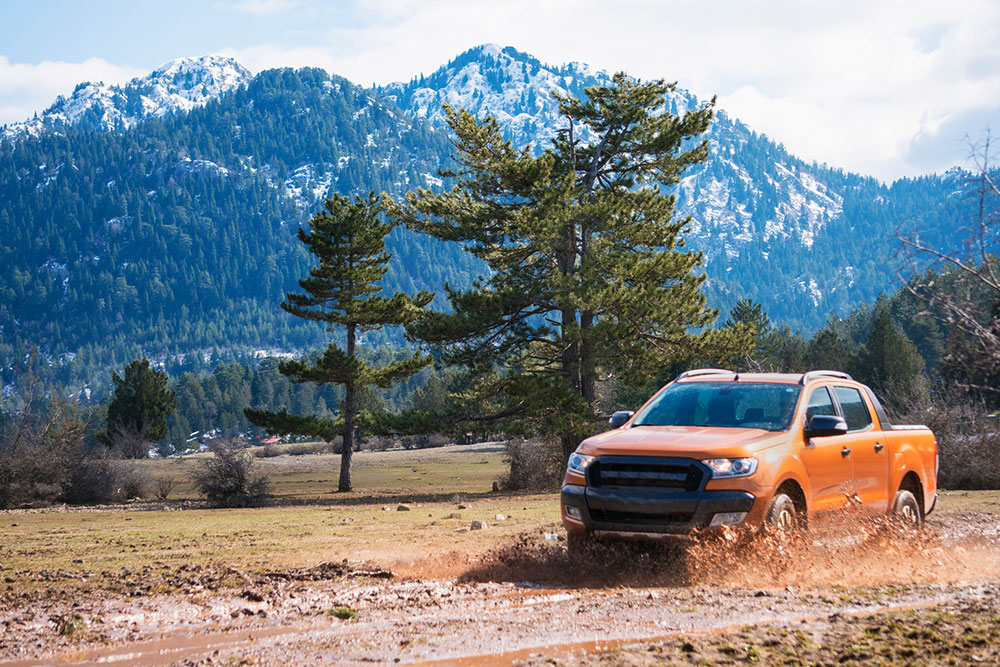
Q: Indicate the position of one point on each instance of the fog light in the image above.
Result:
(727, 519)
(574, 513)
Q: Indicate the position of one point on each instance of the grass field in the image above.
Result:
(308, 523)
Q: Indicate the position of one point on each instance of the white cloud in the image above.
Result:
(26, 88)
(854, 84)
(876, 87)
(264, 7)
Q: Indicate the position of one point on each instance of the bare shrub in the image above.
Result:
(267, 452)
(308, 448)
(130, 442)
(37, 454)
(534, 464)
(438, 440)
(163, 486)
(968, 437)
(426, 441)
(99, 477)
(227, 479)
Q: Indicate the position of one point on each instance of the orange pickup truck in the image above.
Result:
(716, 449)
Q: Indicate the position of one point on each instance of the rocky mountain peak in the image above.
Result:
(179, 85)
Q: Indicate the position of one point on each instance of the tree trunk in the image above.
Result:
(571, 349)
(350, 407)
(588, 366)
(569, 444)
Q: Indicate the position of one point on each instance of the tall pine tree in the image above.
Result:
(588, 277)
(348, 239)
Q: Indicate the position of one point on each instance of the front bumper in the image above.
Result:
(640, 510)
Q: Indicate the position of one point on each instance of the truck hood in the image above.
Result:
(687, 441)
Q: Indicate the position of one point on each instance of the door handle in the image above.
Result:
(879, 447)
(845, 452)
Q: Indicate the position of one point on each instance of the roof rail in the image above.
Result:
(703, 371)
(806, 377)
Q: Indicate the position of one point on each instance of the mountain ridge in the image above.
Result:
(174, 233)
(178, 85)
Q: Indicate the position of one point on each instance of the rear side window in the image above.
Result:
(820, 403)
(854, 408)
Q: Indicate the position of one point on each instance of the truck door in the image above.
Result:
(868, 449)
(827, 460)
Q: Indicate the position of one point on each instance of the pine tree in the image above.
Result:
(588, 278)
(752, 316)
(889, 362)
(140, 407)
(348, 239)
(829, 351)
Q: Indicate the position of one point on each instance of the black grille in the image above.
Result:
(641, 518)
(666, 475)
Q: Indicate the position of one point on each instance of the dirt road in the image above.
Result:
(526, 601)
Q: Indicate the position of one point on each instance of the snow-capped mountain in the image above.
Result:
(731, 202)
(513, 87)
(182, 229)
(179, 85)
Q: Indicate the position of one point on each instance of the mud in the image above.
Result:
(527, 601)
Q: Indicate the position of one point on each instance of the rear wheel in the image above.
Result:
(906, 510)
(782, 516)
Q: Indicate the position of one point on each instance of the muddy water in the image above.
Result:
(525, 599)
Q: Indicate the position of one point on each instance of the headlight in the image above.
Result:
(732, 467)
(579, 462)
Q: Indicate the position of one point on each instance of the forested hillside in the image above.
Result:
(174, 234)
(178, 235)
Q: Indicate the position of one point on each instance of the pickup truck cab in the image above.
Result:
(716, 449)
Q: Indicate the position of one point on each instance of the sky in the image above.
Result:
(880, 87)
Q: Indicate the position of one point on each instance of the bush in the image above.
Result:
(267, 452)
(227, 479)
(163, 487)
(968, 437)
(99, 478)
(37, 456)
(534, 464)
(313, 448)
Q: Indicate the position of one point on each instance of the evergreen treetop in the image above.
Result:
(588, 277)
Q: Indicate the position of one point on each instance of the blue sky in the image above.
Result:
(887, 87)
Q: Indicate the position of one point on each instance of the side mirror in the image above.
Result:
(823, 425)
(620, 417)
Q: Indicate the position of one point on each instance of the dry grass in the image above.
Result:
(311, 524)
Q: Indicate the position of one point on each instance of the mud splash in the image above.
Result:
(849, 554)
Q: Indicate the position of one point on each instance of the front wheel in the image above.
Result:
(906, 511)
(782, 516)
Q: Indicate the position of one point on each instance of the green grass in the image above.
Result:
(343, 613)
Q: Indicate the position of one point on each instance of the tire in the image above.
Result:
(783, 516)
(906, 511)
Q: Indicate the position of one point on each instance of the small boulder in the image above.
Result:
(461, 507)
(477, 525)
(402, 508)
(386, 508)
(500, 517)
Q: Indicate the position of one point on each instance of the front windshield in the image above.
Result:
(729, 404)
